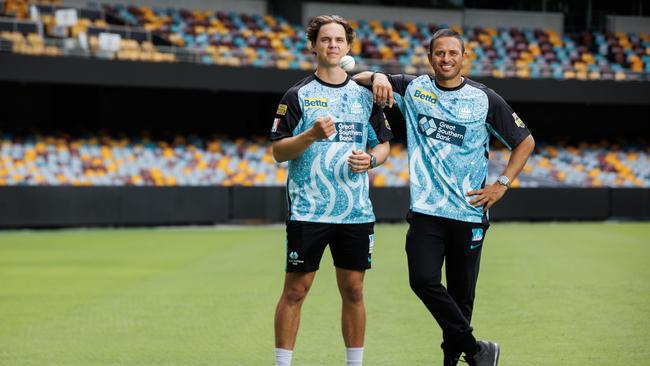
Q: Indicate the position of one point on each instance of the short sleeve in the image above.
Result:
(503, 122)
(400, 82)
(287, 116)
(380, 124)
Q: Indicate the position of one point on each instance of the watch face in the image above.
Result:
(503, 180)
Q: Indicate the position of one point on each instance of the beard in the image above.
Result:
(446, 75)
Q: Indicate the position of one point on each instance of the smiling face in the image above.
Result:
(330, 45)
(447, 58)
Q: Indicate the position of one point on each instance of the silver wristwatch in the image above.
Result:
(504, 181)
(373, 161)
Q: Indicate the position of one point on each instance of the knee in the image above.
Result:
(420, 283)
(352, 294)
(295, 295)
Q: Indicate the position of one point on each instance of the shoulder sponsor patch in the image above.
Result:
(425, 96)
(518, 120)
(276, 123)
(282, 109)
(441, 130)
(386, 123)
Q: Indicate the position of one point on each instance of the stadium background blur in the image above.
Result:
(120, 95)
(167, 124)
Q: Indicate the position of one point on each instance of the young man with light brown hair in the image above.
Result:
(328, 129)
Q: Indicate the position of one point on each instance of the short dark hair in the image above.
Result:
(321, 20)
(446, 32)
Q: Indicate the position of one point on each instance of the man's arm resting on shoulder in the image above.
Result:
(292, 147)
(489, 195)
(382, 90)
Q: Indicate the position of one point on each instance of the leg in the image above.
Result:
(463, 263)
(426, 244)
(351, 249)
(287, 313)
(305, 246)
(353, 311)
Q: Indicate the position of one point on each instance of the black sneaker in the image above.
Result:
(451, 360)
(451, 357)
(488, 355)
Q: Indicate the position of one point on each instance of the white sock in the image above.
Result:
(283, 357)
(354, 356)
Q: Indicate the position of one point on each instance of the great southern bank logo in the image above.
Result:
(441, 130)
(316, 102)
(425, 96)
(293, 259)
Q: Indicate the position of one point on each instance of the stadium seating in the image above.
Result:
(270, 41)
(192, 161)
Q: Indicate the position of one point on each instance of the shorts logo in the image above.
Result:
(518, 120)
(282, 110)
(371, 243)
(293, 259)
(477, 234)
(316, 102)
(441, 130)
(276, 123)
(425, 96)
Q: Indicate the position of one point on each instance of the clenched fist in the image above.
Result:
(323, 128)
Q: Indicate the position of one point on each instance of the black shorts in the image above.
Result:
(351, 245)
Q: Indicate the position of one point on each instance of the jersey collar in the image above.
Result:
(347, 79)
(442, 88)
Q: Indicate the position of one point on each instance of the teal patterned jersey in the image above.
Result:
(320, 185)
(448, 141)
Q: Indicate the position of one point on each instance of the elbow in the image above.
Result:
(277, 156)
(531, 143)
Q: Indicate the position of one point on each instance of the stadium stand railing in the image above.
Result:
(180, 35)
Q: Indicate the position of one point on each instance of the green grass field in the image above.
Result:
(550, 294)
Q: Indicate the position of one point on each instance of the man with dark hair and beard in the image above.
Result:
(449, 119)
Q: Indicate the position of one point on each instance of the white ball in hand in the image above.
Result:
(347, 63)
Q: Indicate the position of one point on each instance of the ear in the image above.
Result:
(430, 57)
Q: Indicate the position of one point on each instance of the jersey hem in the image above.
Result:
(294, 218)
(473, 220)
